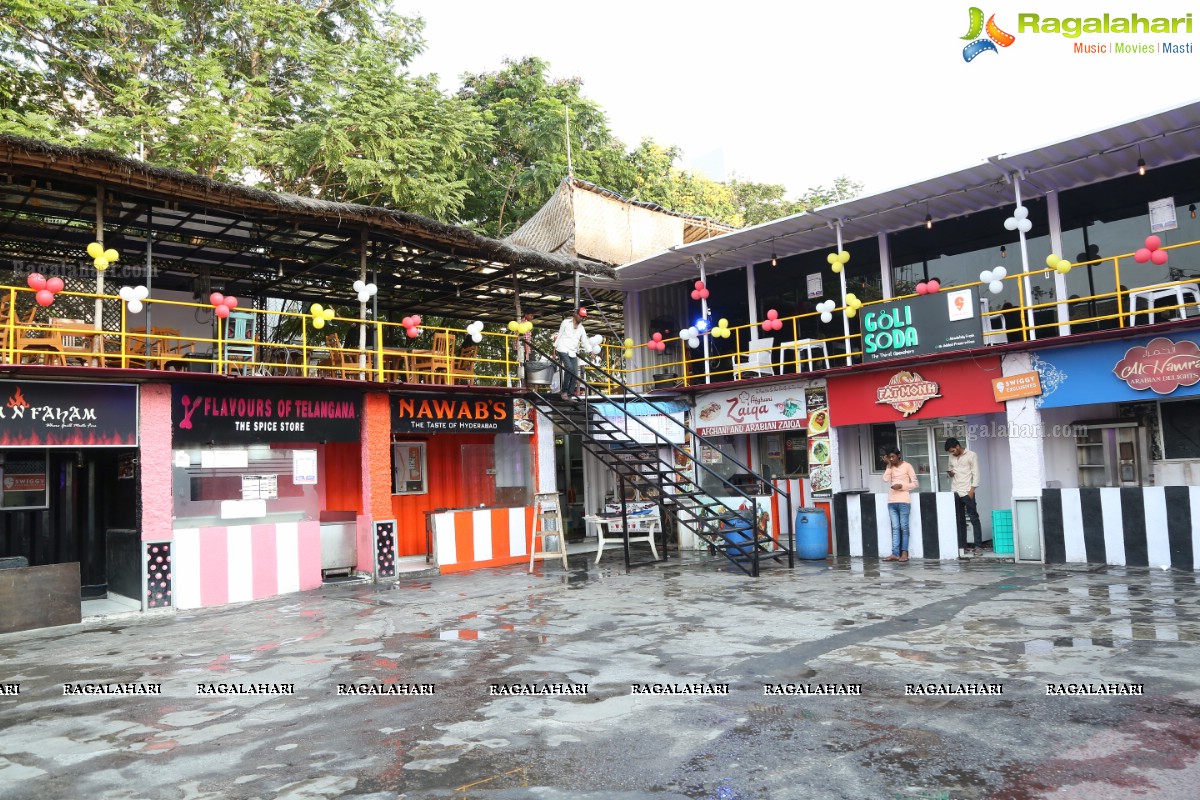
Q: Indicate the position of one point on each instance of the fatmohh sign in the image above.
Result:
(57, 414)
(237, 414)
(772, 408)
(906, 392)
(443, 413)
(932, 323)
(1120, 371)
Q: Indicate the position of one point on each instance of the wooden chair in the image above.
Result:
(463, 370)
(166, 349)
(434, 366)
(344, 361)
(42, 344)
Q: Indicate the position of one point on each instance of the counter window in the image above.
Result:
(408, 468)
(214, 485)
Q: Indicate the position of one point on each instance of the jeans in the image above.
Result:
(571, 368)
(898, 512)
(965, 507)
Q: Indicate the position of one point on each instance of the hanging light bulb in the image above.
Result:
(928, 222)
(773, 260)
(1192, 209)
(1003, 251)
(1141, 162)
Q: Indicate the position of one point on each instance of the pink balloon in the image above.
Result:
(699, 284)
(1159, 257)
(772, 314)
(222, 311)
(922, 287)
(778, 325)
(230, 302)
(44, 297)
(695, 294)
(412, 332)
(216, 298)
(704, 294)
(1153, 242)
(55, 285)
(1142, 255)
(933, 287)
(407, 322)
(416, 319)
(657, 337)
(36, 281)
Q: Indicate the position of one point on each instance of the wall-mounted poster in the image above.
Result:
(820, 447)
(409, 468)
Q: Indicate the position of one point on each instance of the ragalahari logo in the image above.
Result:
(988, 43)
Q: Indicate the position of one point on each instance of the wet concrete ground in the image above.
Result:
(880, 626)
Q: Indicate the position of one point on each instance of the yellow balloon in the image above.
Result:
(832, 258)
(722, 323)
(837, 267)
(95, 249)
(850, 312)
(843, 256)
(315, 309)
(628, 353)
(526, 327)
(101, 263)
(328, 313)
(629, 342)
(112, 255)
(318, 323)
(1051, 260)
(513, 325)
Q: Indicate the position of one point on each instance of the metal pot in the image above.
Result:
(539, 373)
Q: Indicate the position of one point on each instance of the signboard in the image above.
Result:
(62, 414)
(238, 413)
(816, 287)
(641, 421)
(454, 413)
(820, 449)
(770, 408)
(1119, 371)
(523, 421)
(924, 325)
(1014, 387)
(906, 392)
(1162, 215)
(304, 467)
(963, 387)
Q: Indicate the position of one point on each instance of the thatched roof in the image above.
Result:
(251, 241)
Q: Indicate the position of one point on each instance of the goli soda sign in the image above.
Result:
(916, 326)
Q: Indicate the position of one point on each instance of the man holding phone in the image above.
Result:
(964, 480)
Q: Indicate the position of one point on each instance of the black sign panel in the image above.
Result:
(456, 413)
(932, 323)
(241, 413)
(61, 414)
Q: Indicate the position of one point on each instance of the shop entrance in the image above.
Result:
(568, 472)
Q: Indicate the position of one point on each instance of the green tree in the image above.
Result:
(304, 95)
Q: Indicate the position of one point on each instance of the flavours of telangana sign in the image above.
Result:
(906, 392)
(932, 323)
(1162, 366)
(238, 413)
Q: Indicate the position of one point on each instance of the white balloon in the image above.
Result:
(986, 276)
(1024, 226)
(693, 342)
(998, 274)
(140, 292)
(995, 287)
(1021, 212)
(1010, 224)
(359, 286)
(135, 306)
(126, 293)
(372, 289)
(826, 316)
(476, 338)
(363, 297)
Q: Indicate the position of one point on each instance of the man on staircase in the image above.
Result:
(570, 336)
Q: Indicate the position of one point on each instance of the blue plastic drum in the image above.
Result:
(739, 538)
(812, 534)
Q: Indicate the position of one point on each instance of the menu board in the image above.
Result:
(820, 446)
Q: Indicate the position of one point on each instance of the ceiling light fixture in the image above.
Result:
(928, 222)
(774, 261)
(1141, 162)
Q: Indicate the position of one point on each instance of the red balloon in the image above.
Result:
(222, 311)
(1159, 257)
(413, 333)
(36, 281)
(416, 319)
(230, 302)
(216, 298)
(922, 288)
(55, 285)
(407, 322)
(699, 284)
(704, 294)
(1142, 255)
(695, 294)
(657, 337)
(933, 287)
(44, 297)
(1153, 242)
(772, 314)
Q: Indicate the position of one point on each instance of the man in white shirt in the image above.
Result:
(570, 335)
(964, 480)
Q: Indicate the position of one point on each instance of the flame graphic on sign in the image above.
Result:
(18, 400)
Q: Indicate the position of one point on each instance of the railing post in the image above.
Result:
(1120, 305)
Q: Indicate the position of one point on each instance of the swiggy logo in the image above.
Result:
(994, 37)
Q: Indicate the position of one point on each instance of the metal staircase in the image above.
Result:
(734, 533)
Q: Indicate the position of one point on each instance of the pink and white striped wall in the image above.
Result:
(213, 566)
(486, 537)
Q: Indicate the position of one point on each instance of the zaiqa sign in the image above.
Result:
(45, 414)
(239, 413)
(774, 408)
(906, 392)
(1162, 366)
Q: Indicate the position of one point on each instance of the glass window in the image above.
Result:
(883, 437)
(23, 479)
(214, 485)
(514, 470)
(714, 458)
(409, 472)
(1181, 429)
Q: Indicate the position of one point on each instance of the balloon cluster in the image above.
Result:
(772, 322)
(993, 278)
(223, 304)
(524, 326)
(1019, 221)
(825, 309)
(320, 315)
(1059, 265)
(700, 292)
(656, 343)
(475, 331)
(365, 290)
(101, 258)
(837, 261)
(628, 352)
(46, 288)
(412, 326)
(133, 297)
(1151, 252)
(931, 287)
(691, 336)
(591, 345)
(721, 331)
(853, 304)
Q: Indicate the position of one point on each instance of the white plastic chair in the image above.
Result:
(758, 360)
(1150, 295)
(602, 524)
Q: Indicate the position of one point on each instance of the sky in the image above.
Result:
(801, 93)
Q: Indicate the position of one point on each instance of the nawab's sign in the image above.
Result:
(443, 413)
